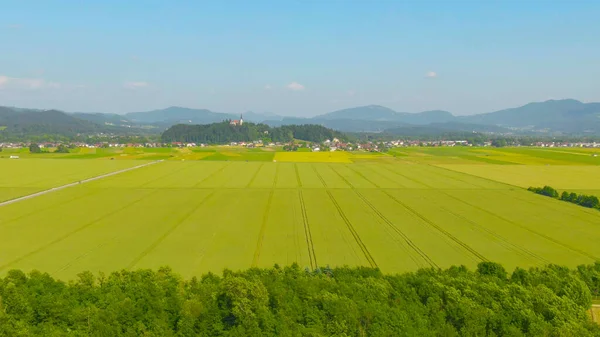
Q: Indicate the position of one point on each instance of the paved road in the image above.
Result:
(54, 189)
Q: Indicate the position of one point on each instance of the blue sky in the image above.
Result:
(297, 57)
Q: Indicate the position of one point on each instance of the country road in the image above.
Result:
(58, 188)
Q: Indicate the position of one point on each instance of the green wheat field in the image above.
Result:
(201, 210)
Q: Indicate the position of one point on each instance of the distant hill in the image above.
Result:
(550, 117)
(24, 121)
(369, 112)
(567, 115)
(381, 113)
(176, 115)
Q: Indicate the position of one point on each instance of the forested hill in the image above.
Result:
(222, 133)
(290, 301)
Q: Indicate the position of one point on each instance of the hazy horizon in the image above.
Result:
(297, 59)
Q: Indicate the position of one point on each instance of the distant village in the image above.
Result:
(327, 145)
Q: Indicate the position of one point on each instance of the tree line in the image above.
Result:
(291, 301)
(589, 201)
(223, 133)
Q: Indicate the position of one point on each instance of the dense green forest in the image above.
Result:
(222, 133)
(290, 301)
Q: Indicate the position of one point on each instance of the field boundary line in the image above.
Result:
(75, 231)
(440, 229)
(408, 241)
(169, 231)
(62, 187)
(297, 175)
(254, 175)
(309, 241)
(526, 228)
(263, 228)
(357, 238)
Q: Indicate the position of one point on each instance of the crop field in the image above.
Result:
(499, 156)
(207, 215)
(23, 177)
(558, 176)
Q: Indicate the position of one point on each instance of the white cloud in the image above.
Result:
(26, 83)
(431, 74)
(268, 87)
(136, 85)
(295, 86)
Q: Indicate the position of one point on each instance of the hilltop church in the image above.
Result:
(237, 121)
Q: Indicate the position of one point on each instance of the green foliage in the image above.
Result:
(34, 148)
(499, 142)
(61, 149)
(222, 133)
(546, 190)
(550, 301)
(589, 201)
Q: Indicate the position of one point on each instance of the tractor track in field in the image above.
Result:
(319, 176)
(406, 239)
(263, 229)
(406, 177)
(438, 228)
(162, 176)
(447, 176)
(379, 174)
(62, 187)
(588, 211)
(75, 231)
(362, 176)
(398, 231)
(352, 230)
(297, 175)
(49, 206)
(309, 241)
(217, 171)
(476, 176)
(276, 178)
(504, 242)
(71, 262)
(595, 258)
(169, 231)
(349, 225)
(254, 175)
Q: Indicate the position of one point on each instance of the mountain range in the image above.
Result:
(554, 116)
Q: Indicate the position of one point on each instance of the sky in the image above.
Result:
(299, 58)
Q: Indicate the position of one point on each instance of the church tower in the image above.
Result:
(241, 120)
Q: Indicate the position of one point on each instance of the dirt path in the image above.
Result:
(54, 189)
